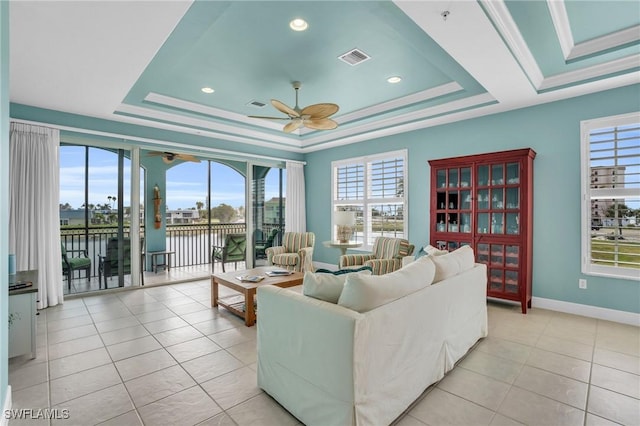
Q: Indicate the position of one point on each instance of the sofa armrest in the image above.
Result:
(349, 260)
(272, 251)
(305, 355)
(407, 260)
(383, 266)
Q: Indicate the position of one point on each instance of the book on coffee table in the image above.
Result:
(278, 273)
(250, 278)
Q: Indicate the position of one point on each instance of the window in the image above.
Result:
(373, 188)
(611, 208)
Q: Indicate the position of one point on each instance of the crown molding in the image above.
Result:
(507, 28)
(594, 71)
(572, 51)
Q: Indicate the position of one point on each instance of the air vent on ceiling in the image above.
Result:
(354, 57)
(256, 104)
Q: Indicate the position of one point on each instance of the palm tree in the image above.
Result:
(111, 199)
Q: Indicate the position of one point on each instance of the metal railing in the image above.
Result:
(190, 242)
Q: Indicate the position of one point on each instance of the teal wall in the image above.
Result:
(155, 239)
(553, 131)
(4, 198)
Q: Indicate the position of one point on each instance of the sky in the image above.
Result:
(186, 182)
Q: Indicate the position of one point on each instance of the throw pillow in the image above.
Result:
(363, 293)
(453, 263)
(343, 271)
(433, 251)
(327, 286)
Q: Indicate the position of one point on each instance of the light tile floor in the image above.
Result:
(162, 356)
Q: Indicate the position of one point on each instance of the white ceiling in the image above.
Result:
(105, 60)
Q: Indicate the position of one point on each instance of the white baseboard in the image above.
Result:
(4, 421)
(587, 311)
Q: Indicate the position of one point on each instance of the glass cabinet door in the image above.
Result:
(441, 178)
(513, 173)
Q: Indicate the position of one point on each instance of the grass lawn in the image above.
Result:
(604, 250)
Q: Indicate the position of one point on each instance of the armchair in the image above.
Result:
(234, 249)
(295, 253)
(70, 263)
(386, 256)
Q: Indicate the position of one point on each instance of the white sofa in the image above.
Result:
(331, 365)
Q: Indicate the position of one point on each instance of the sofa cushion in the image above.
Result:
(363, 293)
(328, 285)
(451, 264)
(286, 259)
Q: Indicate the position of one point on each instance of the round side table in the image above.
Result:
(342, 246)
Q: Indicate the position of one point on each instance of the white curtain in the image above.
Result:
(34, 215)
(295, 218)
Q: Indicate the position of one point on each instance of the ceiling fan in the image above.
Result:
(313, 116)
(170, 157)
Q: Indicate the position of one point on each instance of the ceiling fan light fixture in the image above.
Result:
(207, 90)
(314, 116)
(395, 79)
(298, 24)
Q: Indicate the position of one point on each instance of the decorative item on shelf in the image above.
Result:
(345, 221)
(156, 207)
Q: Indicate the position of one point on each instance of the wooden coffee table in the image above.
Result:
(242, 304)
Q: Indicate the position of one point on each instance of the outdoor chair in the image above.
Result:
(233, 249)
(295, 253)
(261, 246)
(70, 263)
(386, 256)
(109, 262)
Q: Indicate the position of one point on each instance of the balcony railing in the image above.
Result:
(191, 243)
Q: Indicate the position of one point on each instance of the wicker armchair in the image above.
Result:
(386, 256)
(295, 253)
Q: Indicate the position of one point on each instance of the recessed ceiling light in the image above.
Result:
(207, 90)
(394, 79)
(298, 24)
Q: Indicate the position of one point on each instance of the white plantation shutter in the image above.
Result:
(611, 196)
(373, 187)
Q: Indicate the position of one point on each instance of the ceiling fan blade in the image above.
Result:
(284, 108)
(318, 111)
(295, 124)
(321, 124)
(187, 157)
(269, 118)
(155, 153)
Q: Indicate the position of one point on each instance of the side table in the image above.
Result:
(166, 256)
(342, 246)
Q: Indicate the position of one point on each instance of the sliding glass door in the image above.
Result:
(268, 210)
(95, 216)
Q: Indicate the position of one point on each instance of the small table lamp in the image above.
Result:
(345, 221)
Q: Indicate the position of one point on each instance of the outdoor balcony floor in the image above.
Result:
(173, 276)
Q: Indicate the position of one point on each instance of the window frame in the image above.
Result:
(367, 199)
(586, 127)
